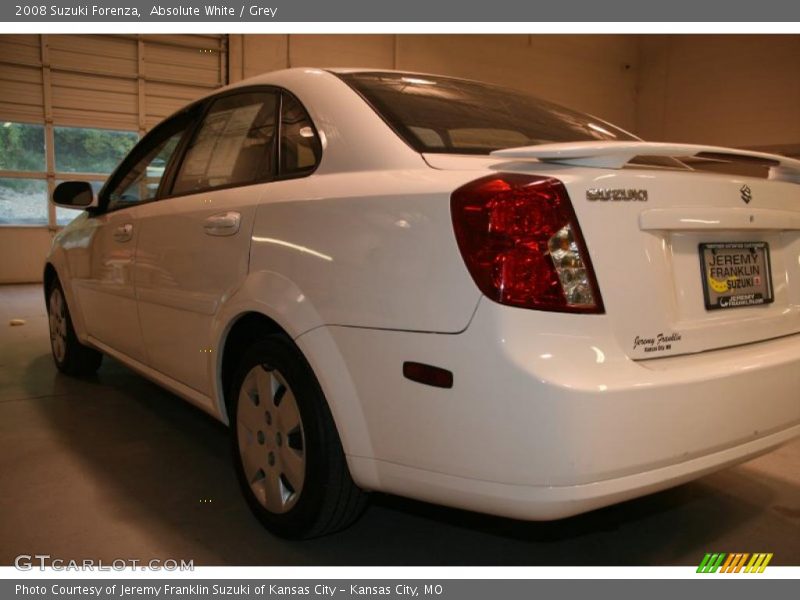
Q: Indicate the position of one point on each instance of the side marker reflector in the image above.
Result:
(428, 374)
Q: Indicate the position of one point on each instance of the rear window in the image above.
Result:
(441, 114)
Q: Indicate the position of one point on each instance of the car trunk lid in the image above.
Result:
(659, 238)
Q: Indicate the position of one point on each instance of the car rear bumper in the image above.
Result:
(542, 503)
(548, 417)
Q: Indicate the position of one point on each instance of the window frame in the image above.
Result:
(203, 107)
(277, 175)
(183, 148)
(301, 174)
(405, 133)
(145, 145)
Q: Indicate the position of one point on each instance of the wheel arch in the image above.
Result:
(325, 360)
(48, 277)
(242, 331)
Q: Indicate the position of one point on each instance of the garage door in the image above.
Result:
(72, 105)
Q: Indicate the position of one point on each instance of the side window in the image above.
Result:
(300, 145)
(233, 146)
(140, 183)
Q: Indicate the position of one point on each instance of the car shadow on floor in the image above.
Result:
(164, 467)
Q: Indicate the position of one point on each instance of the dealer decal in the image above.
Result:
(661, 342)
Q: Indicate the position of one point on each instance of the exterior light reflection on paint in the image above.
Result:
(417, 80)
(701, 221)
(599, 356)
(297, 247)
(602, 130)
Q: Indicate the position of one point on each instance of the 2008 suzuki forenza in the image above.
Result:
(440, 289)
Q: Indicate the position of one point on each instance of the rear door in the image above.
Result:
(194, 243)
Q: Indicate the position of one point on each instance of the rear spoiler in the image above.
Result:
(615, 155)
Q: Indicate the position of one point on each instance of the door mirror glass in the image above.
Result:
(74, 194)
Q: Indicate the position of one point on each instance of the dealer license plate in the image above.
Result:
(736, 274)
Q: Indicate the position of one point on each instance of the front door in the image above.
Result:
(102, 253)
(193, 246)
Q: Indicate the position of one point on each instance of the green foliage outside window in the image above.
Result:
(23, 201)
(21, 147)
(80, 150)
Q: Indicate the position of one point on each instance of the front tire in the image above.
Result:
(287, 452)
(71, 357)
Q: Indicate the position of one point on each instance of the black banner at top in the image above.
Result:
(443, 11)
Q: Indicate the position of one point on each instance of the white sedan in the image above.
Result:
(441, 289)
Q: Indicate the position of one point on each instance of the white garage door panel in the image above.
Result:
(80, 81)
(20, 49)
(189, 41)
(76, 61)
(96, 54)
(190, 65)
(175, 91)
(96, 119)
(159, 108)
(166, 101)
(182, 74)
(22, 97)
(87, 99)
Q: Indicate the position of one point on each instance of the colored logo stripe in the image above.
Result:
(734, 562)
(710, 563)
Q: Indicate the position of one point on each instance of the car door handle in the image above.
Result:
(226, 223)
(123, 233)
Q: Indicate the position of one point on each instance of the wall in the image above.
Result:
(593, 73)
(22, 252)
(731, 90)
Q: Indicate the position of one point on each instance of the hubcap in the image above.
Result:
(271, 439)
(57, 319)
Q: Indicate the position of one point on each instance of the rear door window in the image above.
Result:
(234, 145)
(300, 145)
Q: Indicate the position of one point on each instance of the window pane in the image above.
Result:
(22, 147)
(233, 146)
(141, 182)
(300, 147)
(23, 201)
(442, 114)
(65, 215)
(79, 150)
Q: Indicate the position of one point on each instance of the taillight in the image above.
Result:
(522, 245)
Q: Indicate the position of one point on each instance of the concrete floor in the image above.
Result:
(115, 467)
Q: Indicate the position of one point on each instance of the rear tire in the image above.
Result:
(71, 357)
(288, 455)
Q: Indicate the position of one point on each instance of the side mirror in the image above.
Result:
(74, 194)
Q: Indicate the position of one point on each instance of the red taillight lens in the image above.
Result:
(521, 242)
